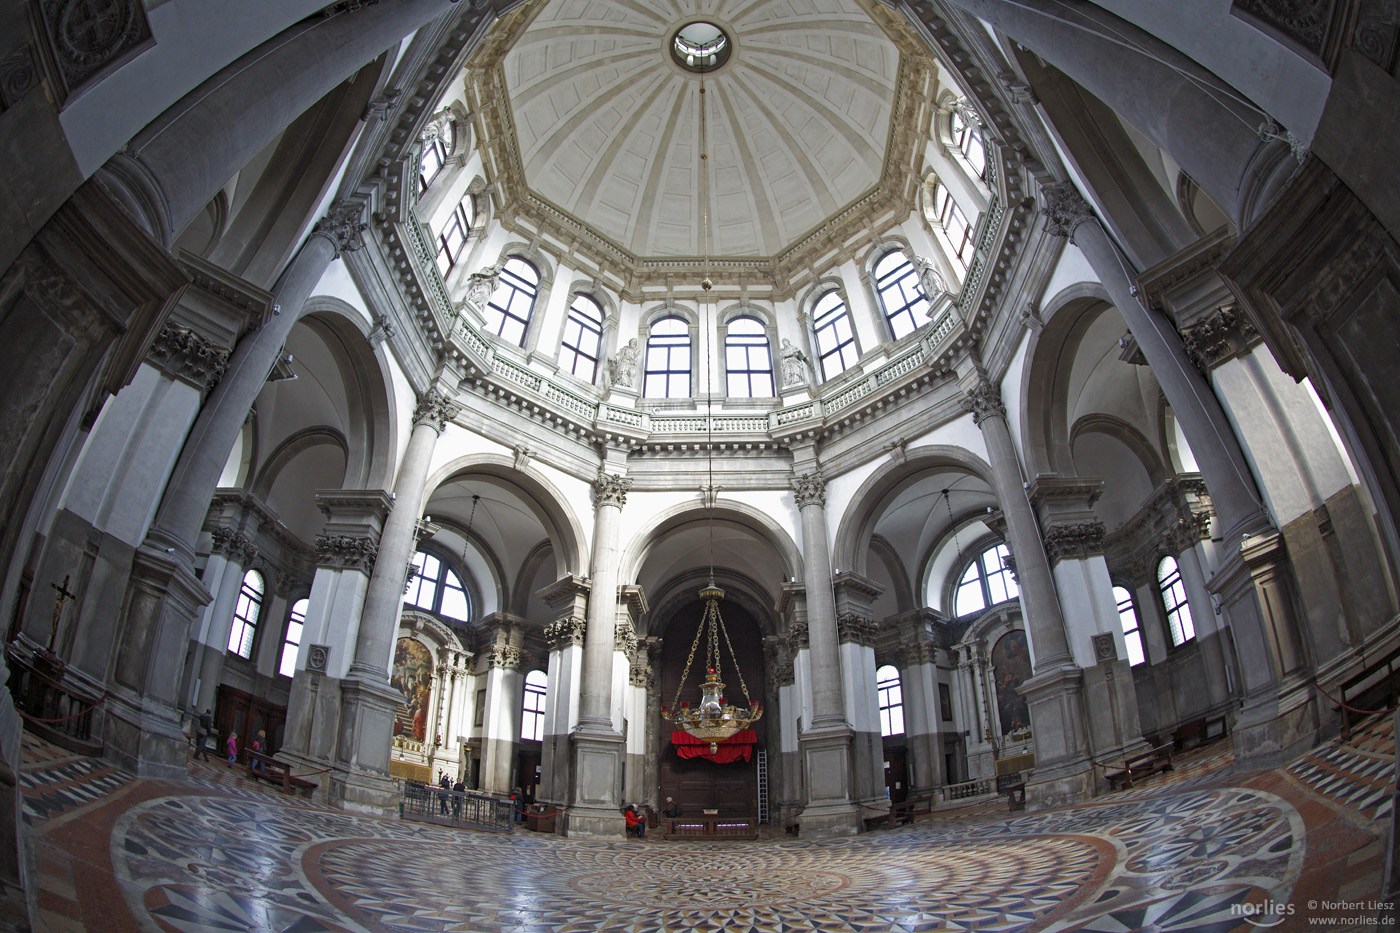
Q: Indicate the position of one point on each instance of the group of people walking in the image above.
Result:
(637, 820)
(204, 738)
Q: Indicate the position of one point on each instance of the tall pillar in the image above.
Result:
(597, 744)
(237, 552)
(505, 693)
(634, 679)
(1055, 693)
(923, 723)
(855, 597)
(1280, 716)
(567, 598)
(367, 703)
(827, 740)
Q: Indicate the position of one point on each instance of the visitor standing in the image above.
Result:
(232, 746)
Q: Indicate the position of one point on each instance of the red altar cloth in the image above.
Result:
(739, 745)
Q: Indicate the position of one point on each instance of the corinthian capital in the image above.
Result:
(610, 489)
(984, 401)
(237, 547)
(342, 226)
(809, 489)
(434, 409)
(1064, 209)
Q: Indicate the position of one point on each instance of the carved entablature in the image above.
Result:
(237, 547)
(851, 627)
(434, 409)
(508, 657)
(610, 489)
(565, 632)
(984, 401)
(809, 489)
(188, 356)
(1078, 540)
(1175, 517)
(1065, 209)
(346, 552)
(1218, 337)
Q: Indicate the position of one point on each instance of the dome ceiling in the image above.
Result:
(607, 122)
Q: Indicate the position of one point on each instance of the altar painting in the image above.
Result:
(413, 676)
(1011, 667)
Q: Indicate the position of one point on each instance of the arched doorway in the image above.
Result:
(728, 782)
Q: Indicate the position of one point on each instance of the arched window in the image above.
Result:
(891, 701)
(901, 295)
(583, 333)
(748, 360)
(436, 588)
(1128, 618)
(967, 136)
(433, 158)
(1173, 591)
(452, 242)
(836, 338)
(532, 720)
(986, 582)
(245, 615)
(508, 312)
(956, 229)
(292, 643)
(668, 360)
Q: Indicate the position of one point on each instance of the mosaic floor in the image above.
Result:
(1200, 849)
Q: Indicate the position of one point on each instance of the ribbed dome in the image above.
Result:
(608, 123)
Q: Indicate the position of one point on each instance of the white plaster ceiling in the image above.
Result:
(607, 124)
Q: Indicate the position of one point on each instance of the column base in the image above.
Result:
(1059, 788)
(826, 765)
(360, 781)
(1271, 732)
(143, 736)
(361, 791)
(594, 808)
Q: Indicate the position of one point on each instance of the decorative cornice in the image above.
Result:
(1078, 540)
(984, 401)
(188, 356)
(342, 225)
(565, 632)
(1065, 209)
(851, 627)
(434, 409)
(237, 547)
(1175, 517)
(610, 489)
(809, 489)
(346, 552)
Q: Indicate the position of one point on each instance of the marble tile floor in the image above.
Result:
(1191, 851)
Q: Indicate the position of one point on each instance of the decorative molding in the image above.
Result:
(284, 585)
(809, 489)
(624, 639)
(640, 675)
(1218, 337)
(1375, 33)
(984, 401)
(19, 75)
(378, 108)
(851, 627)
(346, 6)
(188, 356)
(342, 226)
(523, 455)
(1078, 540)
(1175, 517)
(1105, 648)
(797, 636)
(1065, 209)
(237, 547)
(347, 552)
(1017, 91)
(508, 657)
(565, 632)
(1303, 21)
(610, 489)
(316, 657)
(434, 409)
(82, 38)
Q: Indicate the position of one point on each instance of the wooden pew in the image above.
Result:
(278, 773)
(1151, 762)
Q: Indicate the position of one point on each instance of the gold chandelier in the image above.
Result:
(713, 720)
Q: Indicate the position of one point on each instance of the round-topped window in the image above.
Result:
(701, 46)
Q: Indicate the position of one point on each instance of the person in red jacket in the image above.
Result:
(636, 822)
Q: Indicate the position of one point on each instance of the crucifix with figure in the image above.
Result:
(63, 596)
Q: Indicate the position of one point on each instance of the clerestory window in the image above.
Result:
(436, 588)
(901, 294)
(834, 335)
(245, 614)
(986, 582)
(891, 700)
(748, 359)
(583, 334)
(668, 360)
(1173, 590)
(508, 311)
(532, 718)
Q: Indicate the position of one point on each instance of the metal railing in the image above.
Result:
(456, 808)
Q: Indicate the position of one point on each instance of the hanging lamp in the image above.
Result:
(713, 720)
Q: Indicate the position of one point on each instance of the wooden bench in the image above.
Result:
(1156, 760)
(905, 811)
(1199, 732)
(1015, 797)
(277, 772)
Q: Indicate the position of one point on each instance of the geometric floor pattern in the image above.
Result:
(1195, 852)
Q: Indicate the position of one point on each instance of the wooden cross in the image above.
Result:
(63, 596)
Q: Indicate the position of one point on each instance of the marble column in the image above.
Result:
(368, 704)
(597, 747)
(500, 733)
(567, 598)
(1063, 770)
(236, 552)
(827, 741)
(923, 723)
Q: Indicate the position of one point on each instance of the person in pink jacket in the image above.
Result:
(232, 748)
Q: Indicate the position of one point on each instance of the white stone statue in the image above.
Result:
(481, 284)
(932, 282)
(623, 367)
(795, 372)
